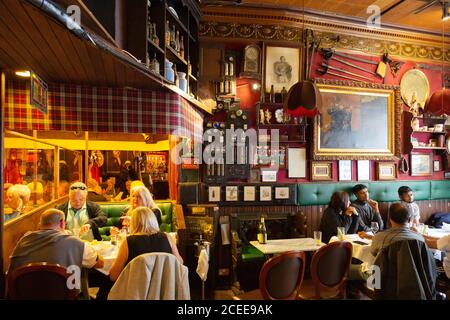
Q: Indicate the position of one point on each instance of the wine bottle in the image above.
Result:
(283, 94)
(173, 35)
(182, 48)
(262, 232)
(155, 38)
(272, 94)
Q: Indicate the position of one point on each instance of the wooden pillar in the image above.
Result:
(173, 169)
(121, 23)
(2, 220)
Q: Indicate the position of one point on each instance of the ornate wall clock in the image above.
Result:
(252, 62)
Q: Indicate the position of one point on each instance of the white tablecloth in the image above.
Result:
(360, 251)
(108, 252)
(437, 233)
(284, 245)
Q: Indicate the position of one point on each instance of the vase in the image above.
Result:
(182, 82)
(169, 73)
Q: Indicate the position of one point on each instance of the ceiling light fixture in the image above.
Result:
(23, 73)
(445, 11)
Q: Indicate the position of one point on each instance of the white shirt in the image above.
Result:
(443, 244)
(413, 209)
(77, 220)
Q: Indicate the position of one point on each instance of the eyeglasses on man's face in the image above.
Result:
(77, 187)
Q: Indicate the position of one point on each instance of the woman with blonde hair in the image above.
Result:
(18, 196)
(144, 237)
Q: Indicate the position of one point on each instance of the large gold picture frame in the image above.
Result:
(357, 121)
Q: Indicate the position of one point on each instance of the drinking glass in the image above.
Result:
(375, 227)
(318, 237)
(341, 233)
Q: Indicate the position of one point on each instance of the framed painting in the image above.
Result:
(321, 171)
(281, 193)
(357, 121)
(436, 165)
(265, 193)
(421, 164)
(214, 193)
(386, 171)
(249, 193)
(296, 158)
(231, 193)
(281, 68)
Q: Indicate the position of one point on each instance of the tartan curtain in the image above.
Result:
(99, 109)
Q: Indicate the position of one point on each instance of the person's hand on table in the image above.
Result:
(365, 235)
(114, 230)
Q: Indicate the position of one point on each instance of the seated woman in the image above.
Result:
(145, 238)
(338, 214)
(140, 197)
(18, 196)
(94, 191)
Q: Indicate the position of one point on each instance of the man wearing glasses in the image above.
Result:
(81, 215)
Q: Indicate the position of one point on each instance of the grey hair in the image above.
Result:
(19, 191)
(145, 195)
(51, 217)
(143, 220)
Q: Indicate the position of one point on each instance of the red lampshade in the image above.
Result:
(439, 103)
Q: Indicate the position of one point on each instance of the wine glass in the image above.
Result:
(375, 227)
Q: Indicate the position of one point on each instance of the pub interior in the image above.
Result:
(225, 150)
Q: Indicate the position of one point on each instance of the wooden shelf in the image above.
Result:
(176, 55)
(280, 125)
(428, 131)
(292, 141)
(430, 148)
(192, 77)
(155, 46)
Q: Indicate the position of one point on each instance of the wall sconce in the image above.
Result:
(256, 86)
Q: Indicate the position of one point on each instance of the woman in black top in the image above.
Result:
(338, 214)
(145, 238)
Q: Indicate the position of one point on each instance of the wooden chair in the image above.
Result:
(40, 281)
(329, 267)
(280, 278)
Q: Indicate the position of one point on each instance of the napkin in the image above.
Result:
(203, 265)
(446, 226)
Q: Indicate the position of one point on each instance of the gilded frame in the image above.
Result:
(316, 171)
(393, 125)
(386, 171)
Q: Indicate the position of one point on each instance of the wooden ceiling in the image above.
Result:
(30, 39)
(429, 19)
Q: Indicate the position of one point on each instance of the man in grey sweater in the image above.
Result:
(367, 209)
(51, 244)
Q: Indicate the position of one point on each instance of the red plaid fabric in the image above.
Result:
(81, 108)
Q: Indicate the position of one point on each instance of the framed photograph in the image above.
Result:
(249, 193)
(281, 192)
(363, 170)
(269, 175)
(345, 170)
(231, 193)
(296, 162)
(255, 175)
(447, 175)
(265, 193)
(281, 68)
(214, 193)
(386, 171)
(436, 165)
(321, 171)
(357, 121)
(421, 164)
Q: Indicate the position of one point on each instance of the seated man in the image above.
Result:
(82, 215)
(407, 199)
(367, 209)
(442, 244)
(53, 245)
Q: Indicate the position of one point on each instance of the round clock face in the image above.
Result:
(252, 53)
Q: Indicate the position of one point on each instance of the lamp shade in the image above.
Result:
(439, 103)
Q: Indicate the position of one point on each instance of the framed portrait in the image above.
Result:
(357, 121)
(296, 162)
(321, 171)
(214, 193)
(231, 193)
(421, 164)
(281, 68)
(281, 192)
(255, 175)
(265, 193)
(345, 170)
(249, 193)
(436, 165)
(363, 170)
(269, 175)
(386, 171)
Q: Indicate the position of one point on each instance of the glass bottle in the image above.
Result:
(172, 37)
(167, 34)
(283, 94)
(155, 38)
(177, 42)
(272, 94)
(182, 48)
(262, 232)
(155, 64)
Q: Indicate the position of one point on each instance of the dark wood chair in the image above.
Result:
(329, 268)
(280, 278)
(40, 281)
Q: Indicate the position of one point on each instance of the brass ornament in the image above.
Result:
(415, 89)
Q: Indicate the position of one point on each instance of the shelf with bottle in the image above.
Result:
(173, 54)
(428, 148)
(175, 19)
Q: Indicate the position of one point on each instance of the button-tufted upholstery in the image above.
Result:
(311, 194)
(114, 211)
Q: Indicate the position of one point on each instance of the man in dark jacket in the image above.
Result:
(82, 216)
(367, 209)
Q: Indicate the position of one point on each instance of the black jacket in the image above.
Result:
(407, 270)
(97, 217)
(331, 219)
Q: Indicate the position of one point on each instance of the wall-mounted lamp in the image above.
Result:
(445, 11)
(23, 73)
(256, 86)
